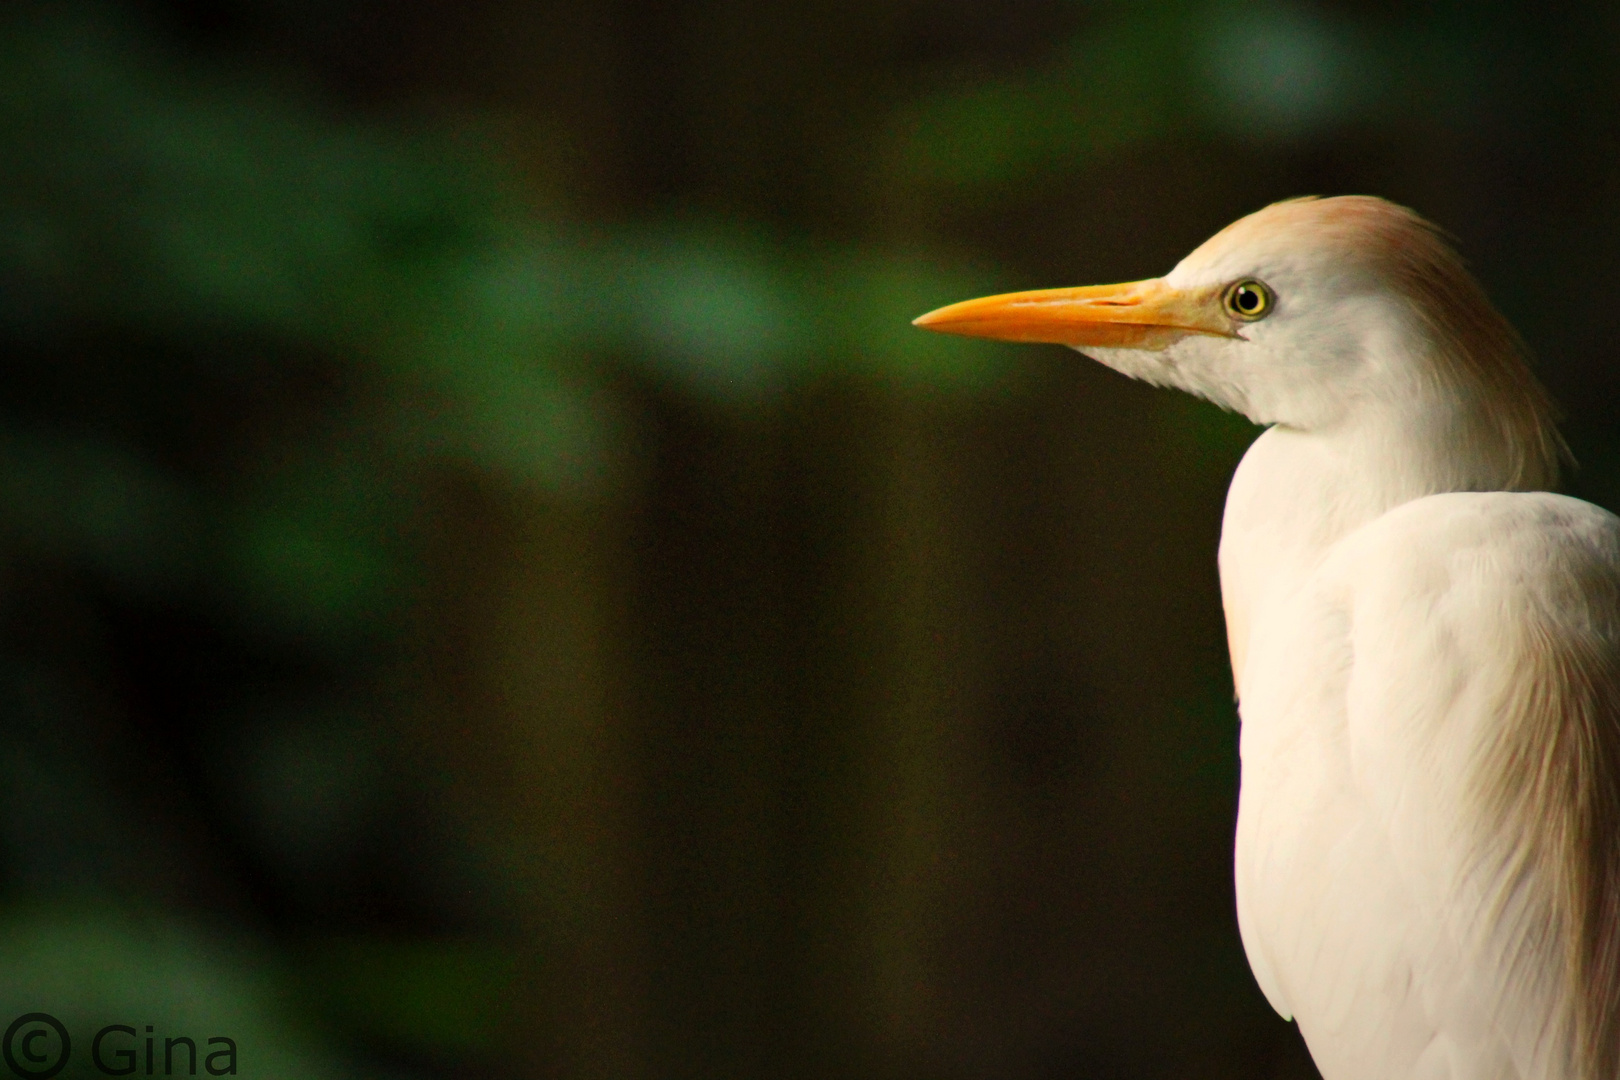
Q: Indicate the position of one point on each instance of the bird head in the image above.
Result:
(1311, 313)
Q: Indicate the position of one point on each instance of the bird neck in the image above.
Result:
(1296, 493)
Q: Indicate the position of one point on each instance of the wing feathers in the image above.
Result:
(1551, 784)
(1490, 722)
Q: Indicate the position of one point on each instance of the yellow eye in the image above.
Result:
(1248, 300)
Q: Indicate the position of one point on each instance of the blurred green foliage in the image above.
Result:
(1270, 72)
(444, 998)
(100, 966)
(223, 216)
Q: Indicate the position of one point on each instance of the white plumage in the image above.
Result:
(1426, 645)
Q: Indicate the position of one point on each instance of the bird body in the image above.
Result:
(1426, 645)
(1398, 870)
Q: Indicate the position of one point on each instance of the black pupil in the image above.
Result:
(1247, 299)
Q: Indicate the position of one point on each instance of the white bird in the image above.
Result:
(1425, 642)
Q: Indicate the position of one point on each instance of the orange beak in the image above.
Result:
(1137, 315)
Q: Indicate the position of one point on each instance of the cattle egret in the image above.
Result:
(1425, 643)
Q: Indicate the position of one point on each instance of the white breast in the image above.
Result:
(1384, 898)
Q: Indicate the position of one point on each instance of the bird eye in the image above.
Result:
(1248, 300)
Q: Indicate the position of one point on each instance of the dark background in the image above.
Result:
(492, 585)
